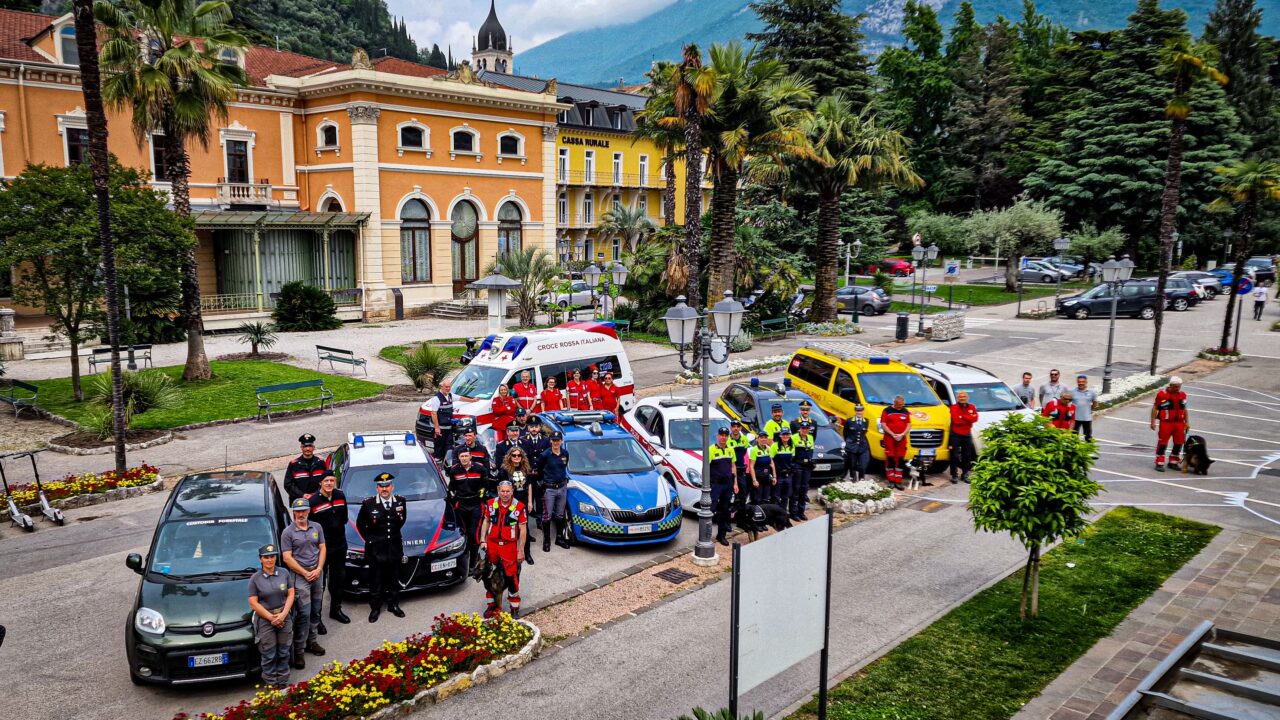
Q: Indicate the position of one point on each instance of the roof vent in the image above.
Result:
(388, 453)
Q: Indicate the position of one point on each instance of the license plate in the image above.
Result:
(444, 565)
(639, 529)
(929, 453)
(196, 661)
(822, 467)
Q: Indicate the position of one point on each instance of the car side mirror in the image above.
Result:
(134, 562)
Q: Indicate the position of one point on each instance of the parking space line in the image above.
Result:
(1237, 387)
(1205, 432)
(1234, 415)
(1260, 403)
(1187, 487)
(1219, 460)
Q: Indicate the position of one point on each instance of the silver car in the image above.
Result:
(578, 295)
(868, 300)
(1212, 284)
(1041, 272)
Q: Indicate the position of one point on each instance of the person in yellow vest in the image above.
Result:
(773, 428)
(760, 467)
(724, 482)
(784, 455)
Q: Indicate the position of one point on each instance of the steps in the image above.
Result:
(458, 309)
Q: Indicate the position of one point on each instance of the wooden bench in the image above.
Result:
(102, 356)
(338, 355)
(776, 327)
(266, 404)
(622, 326)
(21, 395)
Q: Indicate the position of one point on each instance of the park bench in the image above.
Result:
(21, 395)
(622, 326)
(266, 404)
(776, 327)
(338, 355)
(102, 356)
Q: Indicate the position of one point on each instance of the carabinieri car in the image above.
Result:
(617, 497)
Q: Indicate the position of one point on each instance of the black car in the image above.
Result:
(1179, 293)
(190, 621)
(1263, 269)
(1137, 298)
(751, 403)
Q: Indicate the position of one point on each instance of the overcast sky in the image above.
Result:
(529, 22)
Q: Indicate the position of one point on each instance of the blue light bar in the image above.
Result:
(755, 382)
(514, 345)
(358, 441)
(786, 381)
(486, 344)
(878, 360)
(410, 439)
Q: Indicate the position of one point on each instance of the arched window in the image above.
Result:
(67, 45)
(411, 137)
(464, 141)
(415, 242)
(509, 239)
(465, 229)
(333, 205)
(509, 145)
(328, 136)
(229, 57)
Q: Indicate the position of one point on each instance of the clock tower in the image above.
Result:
(491, 50)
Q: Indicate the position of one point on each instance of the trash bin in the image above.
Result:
(904, 327)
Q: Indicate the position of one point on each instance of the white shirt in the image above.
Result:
(1259, 294)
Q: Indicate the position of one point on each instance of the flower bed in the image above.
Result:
(738, 367)
(857, 498)
(395, 673)
(1227, 355)
(85, 484)
(829, 329)
(1127, 388)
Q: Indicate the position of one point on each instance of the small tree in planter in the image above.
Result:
(1032, 481)
(256, 335)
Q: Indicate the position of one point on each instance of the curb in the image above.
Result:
(87, 499)
(107, 449)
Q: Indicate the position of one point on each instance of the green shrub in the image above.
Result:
(426, 366)
(742, 342)
(721, 714)
(302, 308)
(255, 335)
(100, 422)
(882, 280)
(141, 391)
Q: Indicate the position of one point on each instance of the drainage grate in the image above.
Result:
(675, 576)
(928, 506)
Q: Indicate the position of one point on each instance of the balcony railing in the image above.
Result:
(606, 179)
(580, 221)
(231, 302)
(255, 193)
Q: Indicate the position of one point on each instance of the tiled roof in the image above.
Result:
(263, 61)
(17, 26)
(515, 82)
(579, 93)
(400, 66)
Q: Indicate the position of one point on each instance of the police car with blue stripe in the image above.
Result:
(616, 495)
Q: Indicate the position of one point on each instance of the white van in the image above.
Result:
(554, 352)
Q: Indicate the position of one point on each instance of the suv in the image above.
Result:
(1179, 293)
(1211, 283)
(842, 373)
(577, 294)
(991, 395)
(1137, 299)
(751, 403)
(190, 621)
(434, 547)
(868, 300)
(1263, 269)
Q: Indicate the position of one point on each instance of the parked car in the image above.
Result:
(579, 294)
(751, 403)
(1226, 276)
(869, 300)
(1137, 298)
(896, 267)
(670, 429)
(1180, 293)
(1066, 264)
(993, 398)
(616, 495)
(1211, 283)
(1041, 272)
(190, 619)
(434, 547)
(1263, 269)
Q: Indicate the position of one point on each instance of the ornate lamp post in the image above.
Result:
(683, 324)
(1114, 274)
(607, 275)
(923, 257)
(591, 274)
(1060, 246)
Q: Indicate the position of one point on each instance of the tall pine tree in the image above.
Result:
(818, 42)
(1242, 55)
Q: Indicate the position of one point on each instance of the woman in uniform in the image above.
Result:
(271, 599)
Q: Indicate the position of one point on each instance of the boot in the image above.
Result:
(546, 542)
(562, 539)
(315, 649)
(528, 556)
(322, 630)
(299, 661)
(335, 613)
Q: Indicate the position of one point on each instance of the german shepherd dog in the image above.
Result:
(492, 577)
(754, 519)
(1195, 458)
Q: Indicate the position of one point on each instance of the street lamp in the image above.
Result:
(684, 325)
(591, 274)
(921, 253)
(1114, 274)
(608, 275)
(1226, 253)
(1060, 246)
(1176, 239)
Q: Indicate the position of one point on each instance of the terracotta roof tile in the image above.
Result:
(400, 66)
(263, 61)
(17, 26)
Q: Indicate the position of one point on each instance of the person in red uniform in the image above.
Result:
(526, 393)
(1170, 410)
(576, 389)
(609, 394)
(506, 524)
(594, 399)
(504, 413)
(963, 416)
(895, 423)
(551, 398)
(1061, 411)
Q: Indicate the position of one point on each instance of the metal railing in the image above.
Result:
(605, 178)
(255, 193)
(230, 302)
(580, 221)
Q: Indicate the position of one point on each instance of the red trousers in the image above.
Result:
(1176, 431)
(506, 554)
(895, 448)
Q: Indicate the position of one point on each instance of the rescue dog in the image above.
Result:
(1195, 458)
(492, 577)
(754, 519)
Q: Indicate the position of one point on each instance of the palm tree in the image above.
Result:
(1184, 64)
(849, 149)
(669, 138)
(755, 114)
(100, 168)
(628, 223)
(165, 64)
(534, 268)
(693, 89)
(1246, 186)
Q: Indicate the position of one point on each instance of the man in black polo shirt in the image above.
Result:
(468, 487)
(329, 511)
(302, 477)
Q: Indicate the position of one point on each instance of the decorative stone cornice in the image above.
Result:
(364, 114)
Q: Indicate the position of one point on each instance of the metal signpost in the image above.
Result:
(1060, 246)
(1244, 286)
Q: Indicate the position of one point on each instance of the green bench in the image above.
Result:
(21, 395)
(776, 327)
(265, 404)
(622, 326)
(338, 355)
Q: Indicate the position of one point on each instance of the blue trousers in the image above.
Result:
(782, 491)
(799, 491)
(721, 499)
(856, 462)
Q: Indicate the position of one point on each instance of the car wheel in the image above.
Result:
(1080, 313)
(1210, 293)
(1147, 312)
(868, 309)
(1180, 304)
(564, 304)
(1046, 278)
(899, 273)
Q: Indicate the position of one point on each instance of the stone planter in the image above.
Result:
(108, 449)
(1216, 357)
(861, 507)
(79, 501)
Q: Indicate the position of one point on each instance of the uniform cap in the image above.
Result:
(268, 550)
(805, 425)
(1082, 376)
(384, 479)
(859, 407)
(785, 430)
(300, 504)
(513, 427)
(775, 407)
(521, 412)
(557, 435)
(1175, 380)
(805, 405)
(735, 421)
(722, 431)
(307, 439)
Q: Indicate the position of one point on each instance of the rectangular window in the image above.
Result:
(643, 204)
(811, 370)
(588, 210)
(77, 146)
(159, 168)
(562, 166)
(617, 248)
(415, 254)
(617, 203)
(617, 120)
(644, 170)
(588, 116)
(562, 210)
(617, 168)
(589, 167)
(238, 161)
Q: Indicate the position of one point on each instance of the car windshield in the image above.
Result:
(687, 434)
(479, 381)
(1258, 262)
(214, 546)
(880, 388)
(791, 411)
(1098, 291)
(413, 482)
(988, 397)
(608, 456)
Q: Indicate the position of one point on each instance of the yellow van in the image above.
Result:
(840, 373)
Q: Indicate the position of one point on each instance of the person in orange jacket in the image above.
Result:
(1170, 411)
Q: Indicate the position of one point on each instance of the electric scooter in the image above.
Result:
(16, 516)
(50, 512)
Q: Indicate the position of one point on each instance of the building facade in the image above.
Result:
(388, 183)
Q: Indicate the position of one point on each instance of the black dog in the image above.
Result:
(1196, 456)
(755, 519)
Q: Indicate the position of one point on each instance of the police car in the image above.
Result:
(433, 543)
(752, 402)
(616, 495)
(671, 429)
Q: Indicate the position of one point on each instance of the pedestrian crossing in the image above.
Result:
(976, 322)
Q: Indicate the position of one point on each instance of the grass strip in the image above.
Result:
(396, 353)
(980, 663)
(229, 395)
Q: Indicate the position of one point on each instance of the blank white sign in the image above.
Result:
(781, 600)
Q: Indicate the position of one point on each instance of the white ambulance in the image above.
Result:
(554, 352)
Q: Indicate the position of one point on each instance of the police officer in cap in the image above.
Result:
(479, 453)
(857, 451)
(512, 441)
(302, 477)
(468, 489)
(723, 462)
(271, 597)
(379, 523)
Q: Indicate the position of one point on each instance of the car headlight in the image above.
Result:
(695, 477)
(675, 500)
(454, 546)
(355, 555)
(1068, 302)
(587, 509)
(149, 621)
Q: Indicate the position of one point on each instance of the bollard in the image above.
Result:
(903, 327)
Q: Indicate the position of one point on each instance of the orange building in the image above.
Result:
(389, 183)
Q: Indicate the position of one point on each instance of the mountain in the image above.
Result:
(604, 55)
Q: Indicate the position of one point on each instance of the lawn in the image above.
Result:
(395, 353)
(230, 394)
(980, 663)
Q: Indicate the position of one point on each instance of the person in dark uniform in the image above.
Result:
(468, 487)
(379, 523)
(740, 442)
(801, 472)
(535, 442)
(440, 409)
(512, 432)
(784, 461)
(479, 453)
(723, 468)
(271, 600)
(302, 477)
(553, 473)
(857, 451)
(329, 511)
(760, 469)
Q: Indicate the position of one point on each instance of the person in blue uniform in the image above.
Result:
(724, 482)
(784, 455)
(857, 451)
(802, 471)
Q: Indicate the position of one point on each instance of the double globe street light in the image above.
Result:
(1114, 274)
(928, 255)
(613, 274)
(684, 326)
